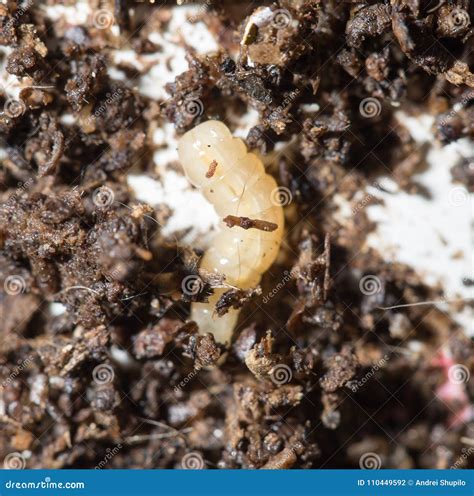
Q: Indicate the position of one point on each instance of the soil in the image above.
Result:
(321, 372)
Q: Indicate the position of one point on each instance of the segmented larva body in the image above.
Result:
(235, 183)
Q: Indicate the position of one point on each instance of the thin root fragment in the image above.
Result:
(246, 223)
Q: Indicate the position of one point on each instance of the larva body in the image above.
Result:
(236, 184)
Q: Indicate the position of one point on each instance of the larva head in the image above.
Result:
(208, 151)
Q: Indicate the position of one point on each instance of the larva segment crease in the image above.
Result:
(238, 187)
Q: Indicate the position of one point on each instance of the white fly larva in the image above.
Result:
(243, 195)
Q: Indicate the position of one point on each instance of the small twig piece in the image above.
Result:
(246, 223)
(212, 169)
